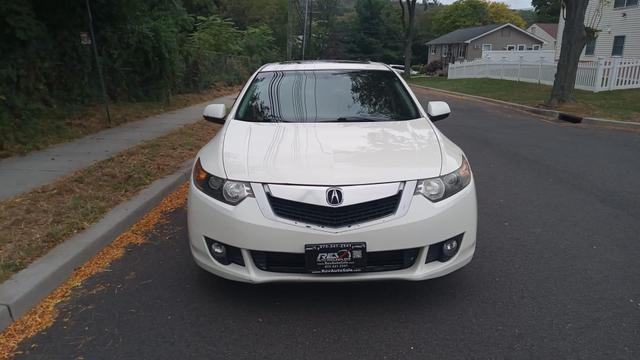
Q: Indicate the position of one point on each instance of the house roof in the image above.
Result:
(466, 35)
(549, 28)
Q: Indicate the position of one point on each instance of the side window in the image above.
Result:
(624, 3)
(486, 47)
(522, 47)
(536, 47)
(511, 47)
(590, 47)
(618, 46)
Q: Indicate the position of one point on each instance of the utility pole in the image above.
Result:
(98, 65)
(304, 32)
(289, 28)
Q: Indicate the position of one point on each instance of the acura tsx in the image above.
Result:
(330, 171)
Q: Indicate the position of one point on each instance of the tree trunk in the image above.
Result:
(408, 35)
(574, 38)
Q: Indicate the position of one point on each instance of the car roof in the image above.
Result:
(324, 65)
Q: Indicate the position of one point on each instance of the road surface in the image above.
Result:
(556, 272)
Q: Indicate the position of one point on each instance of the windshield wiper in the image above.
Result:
(358, 119)
(271, 118)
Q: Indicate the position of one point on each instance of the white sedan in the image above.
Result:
(400, 69)
(330, 171)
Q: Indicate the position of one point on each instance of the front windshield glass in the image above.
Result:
(326, 96)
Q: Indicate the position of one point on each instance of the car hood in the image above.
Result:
(331, 153)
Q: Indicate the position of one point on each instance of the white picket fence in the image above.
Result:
(596, 76)
(515, 55)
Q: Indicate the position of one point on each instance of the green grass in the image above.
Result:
(619, 104)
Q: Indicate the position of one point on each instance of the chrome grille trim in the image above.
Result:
(407, 188)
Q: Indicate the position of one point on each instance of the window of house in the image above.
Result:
(445, 50)
(624, 3)
(522, 47)
(535, 47)
(486, 47)
(433, 49)
(618, 46)
(590, 47)
(511, 47)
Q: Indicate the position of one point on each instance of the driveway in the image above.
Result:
(556, 272)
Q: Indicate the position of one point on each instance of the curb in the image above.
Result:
(29, 286)
(5, 317)
(553, 114)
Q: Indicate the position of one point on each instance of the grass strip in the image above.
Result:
(618, 104)
(33, 223)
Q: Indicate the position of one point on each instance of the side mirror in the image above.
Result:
(215, 113)
(438, 110)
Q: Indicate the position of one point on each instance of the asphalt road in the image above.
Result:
(556, 272)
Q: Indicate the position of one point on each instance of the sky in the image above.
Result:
(514, 4)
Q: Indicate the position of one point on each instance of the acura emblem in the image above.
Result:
(334, 196)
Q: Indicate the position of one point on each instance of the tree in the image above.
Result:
(371, 32)
(407, 27)
(424, 29)
(500, 13)
(547, 10)
(461, 14)
(528, 15)
(466, 13)
(574, 37)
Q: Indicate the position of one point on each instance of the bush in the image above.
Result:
(433, 67)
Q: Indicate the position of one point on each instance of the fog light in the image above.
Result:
(218, 249)
(444, 250)
(219, 252)
(450, 248)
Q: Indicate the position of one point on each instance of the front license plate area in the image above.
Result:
(336, 258)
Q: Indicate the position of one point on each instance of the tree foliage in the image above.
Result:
(499, 13)
(371, 32)
(466, 13)
(547, 10)
(149, 49)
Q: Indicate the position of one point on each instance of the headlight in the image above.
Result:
(440, 188)
(228, 191)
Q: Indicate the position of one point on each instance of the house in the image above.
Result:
(547, 32)
(618, 26)
(468, 43)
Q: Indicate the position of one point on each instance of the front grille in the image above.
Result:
(295, 263)
(335, 217)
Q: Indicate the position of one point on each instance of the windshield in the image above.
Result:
(326, 96)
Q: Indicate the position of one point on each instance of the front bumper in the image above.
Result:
(244, 226)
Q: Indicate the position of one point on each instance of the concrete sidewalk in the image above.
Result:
(23, 173)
